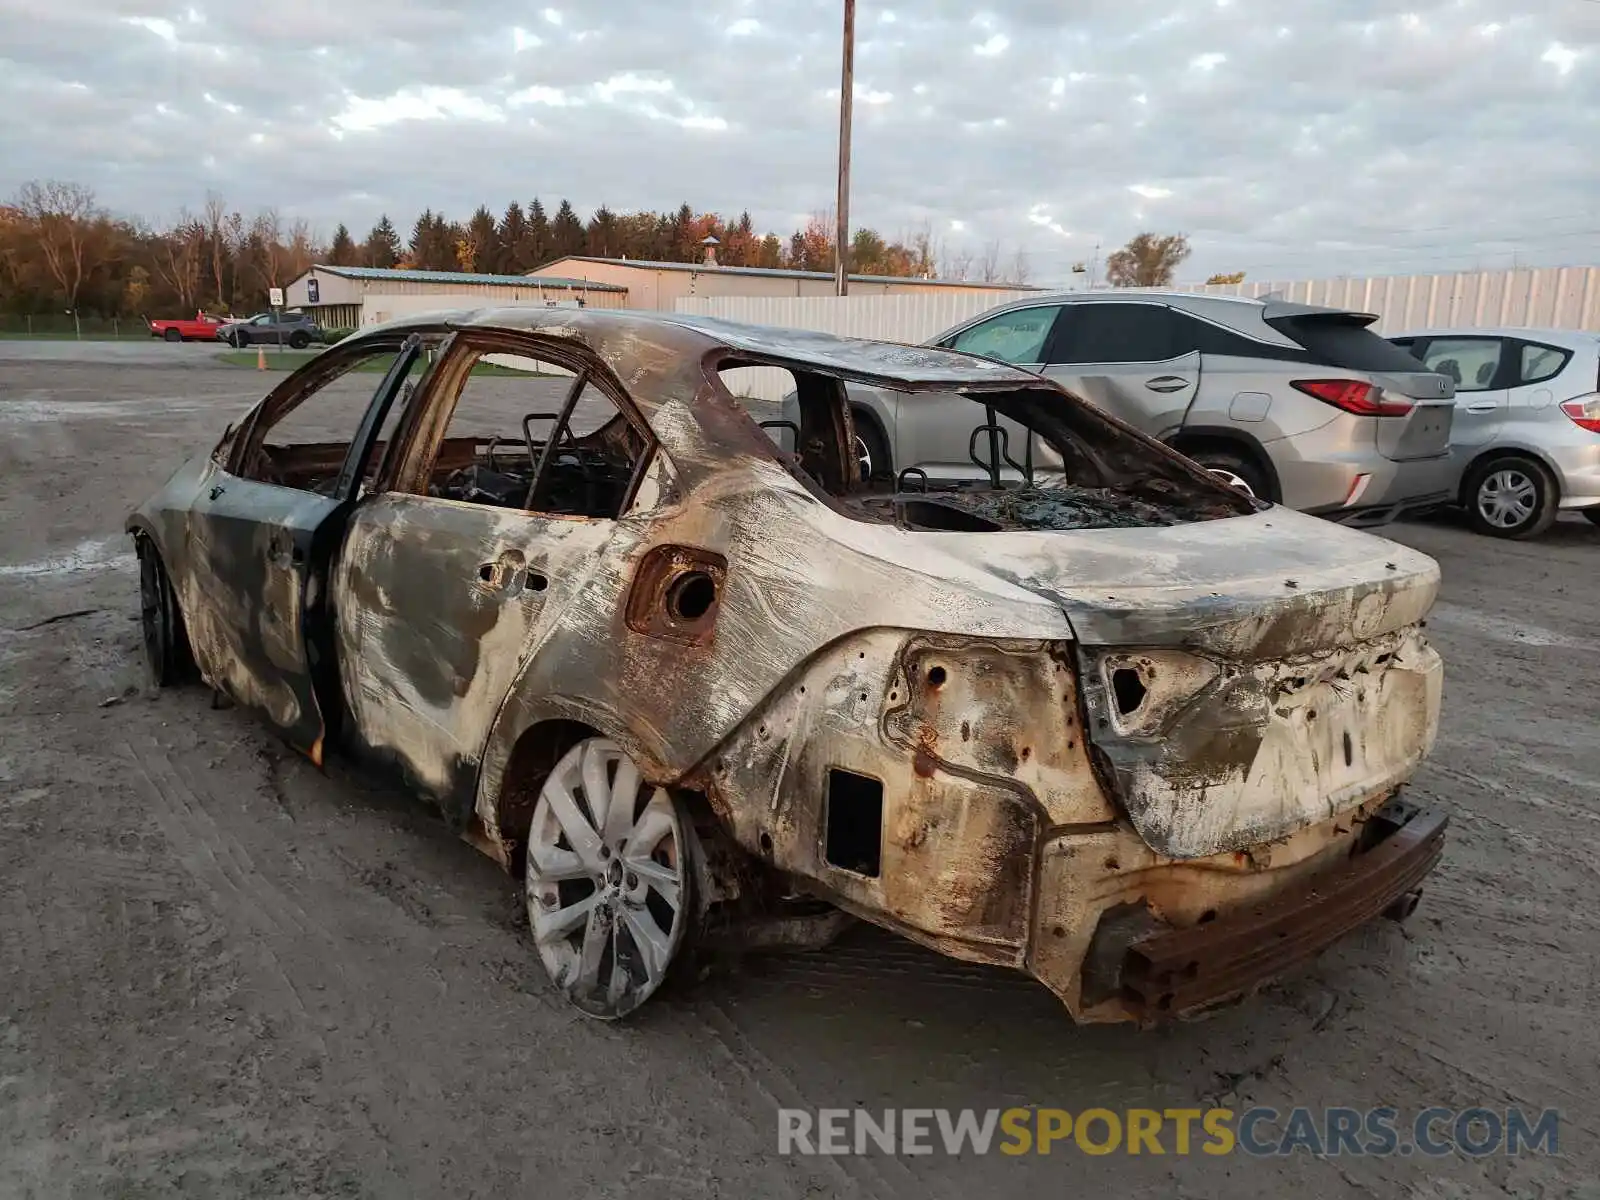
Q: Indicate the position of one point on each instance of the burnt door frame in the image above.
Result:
(268, 549)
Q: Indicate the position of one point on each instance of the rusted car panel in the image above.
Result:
(1040, 727)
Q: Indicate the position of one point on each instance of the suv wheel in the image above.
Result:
(299, 339)
(1235, 470)
(1510, 496)
(872, 451)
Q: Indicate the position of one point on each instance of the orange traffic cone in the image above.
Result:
(261, 358)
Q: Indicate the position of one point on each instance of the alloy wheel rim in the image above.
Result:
(863, 457)
(1507, 498)
(1232, 480)
(605, 880)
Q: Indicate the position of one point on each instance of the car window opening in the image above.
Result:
(522, 438)
(1035, 461)
(302, 441)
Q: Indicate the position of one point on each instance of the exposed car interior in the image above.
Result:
(1090, 473)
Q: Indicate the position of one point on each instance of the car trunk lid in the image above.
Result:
(1419, 425)
(1242, 678)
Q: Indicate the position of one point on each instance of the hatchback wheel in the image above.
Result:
(609, 880)
(1511, 497)
(299, 339)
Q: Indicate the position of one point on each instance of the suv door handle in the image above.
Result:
(1166, 383)
(1482, 406)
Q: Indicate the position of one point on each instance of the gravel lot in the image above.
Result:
(225, 973)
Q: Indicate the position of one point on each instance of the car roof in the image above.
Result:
(1196, 302)
(621, 335)
(1568, 339)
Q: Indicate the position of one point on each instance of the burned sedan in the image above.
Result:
(1088, 713)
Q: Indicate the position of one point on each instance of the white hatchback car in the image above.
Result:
(1526, 435)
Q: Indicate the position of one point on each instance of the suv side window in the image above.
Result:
(1114, 332)
(1017, 336)
(1539, 363)
(1473, 362)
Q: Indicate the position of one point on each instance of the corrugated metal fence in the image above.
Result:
(1546, 297)
(1551, 297)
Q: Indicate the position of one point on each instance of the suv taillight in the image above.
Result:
(1360, 398)
(1585, 412)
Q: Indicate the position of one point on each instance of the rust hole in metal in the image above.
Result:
(1349, 751)
(691, 596)
(766, 843)
(1208, 916)
(966, 731)
(854, 819)
(1112, 864)
(1128, 689)
(1027, 751)
(537, 582)
(936, 676)
(676, 594)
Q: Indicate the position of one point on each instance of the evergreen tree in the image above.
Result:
(341, 251)
(516, 249)
(566, 232)
(383, 244)
(539, 234)
(482, 243)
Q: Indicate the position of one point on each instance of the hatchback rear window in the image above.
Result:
(1344, 340)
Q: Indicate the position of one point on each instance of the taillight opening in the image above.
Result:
(1356, 397)
(1584, 412)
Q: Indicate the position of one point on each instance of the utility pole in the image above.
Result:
(841, 270)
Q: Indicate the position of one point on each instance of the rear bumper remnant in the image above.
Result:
(1185, 971)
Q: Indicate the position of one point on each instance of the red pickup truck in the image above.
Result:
(202, 327)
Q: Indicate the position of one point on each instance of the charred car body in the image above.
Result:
(1119, 726)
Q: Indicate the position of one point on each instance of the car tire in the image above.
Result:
(172, 335)
(1236, 470)
(599, 887)
(239, 339)
(1510, 496)
(299, 339)
(166, 641)
(872, 448)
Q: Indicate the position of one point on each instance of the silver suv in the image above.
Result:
(1301, 405)
(1526, 439)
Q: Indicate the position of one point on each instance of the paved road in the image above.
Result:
(225, 973)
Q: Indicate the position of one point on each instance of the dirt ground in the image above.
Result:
(225, 973)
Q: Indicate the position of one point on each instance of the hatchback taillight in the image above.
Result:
(1354, 397)
(1585, 412)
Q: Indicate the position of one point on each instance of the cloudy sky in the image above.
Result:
(1286, 139)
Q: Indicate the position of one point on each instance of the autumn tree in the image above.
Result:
(1149, 260)
(382, 247)
(69, 229)
(1229, 277)
(178, 259)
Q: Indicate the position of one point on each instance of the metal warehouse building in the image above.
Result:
(351, 297)
(660, 285)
